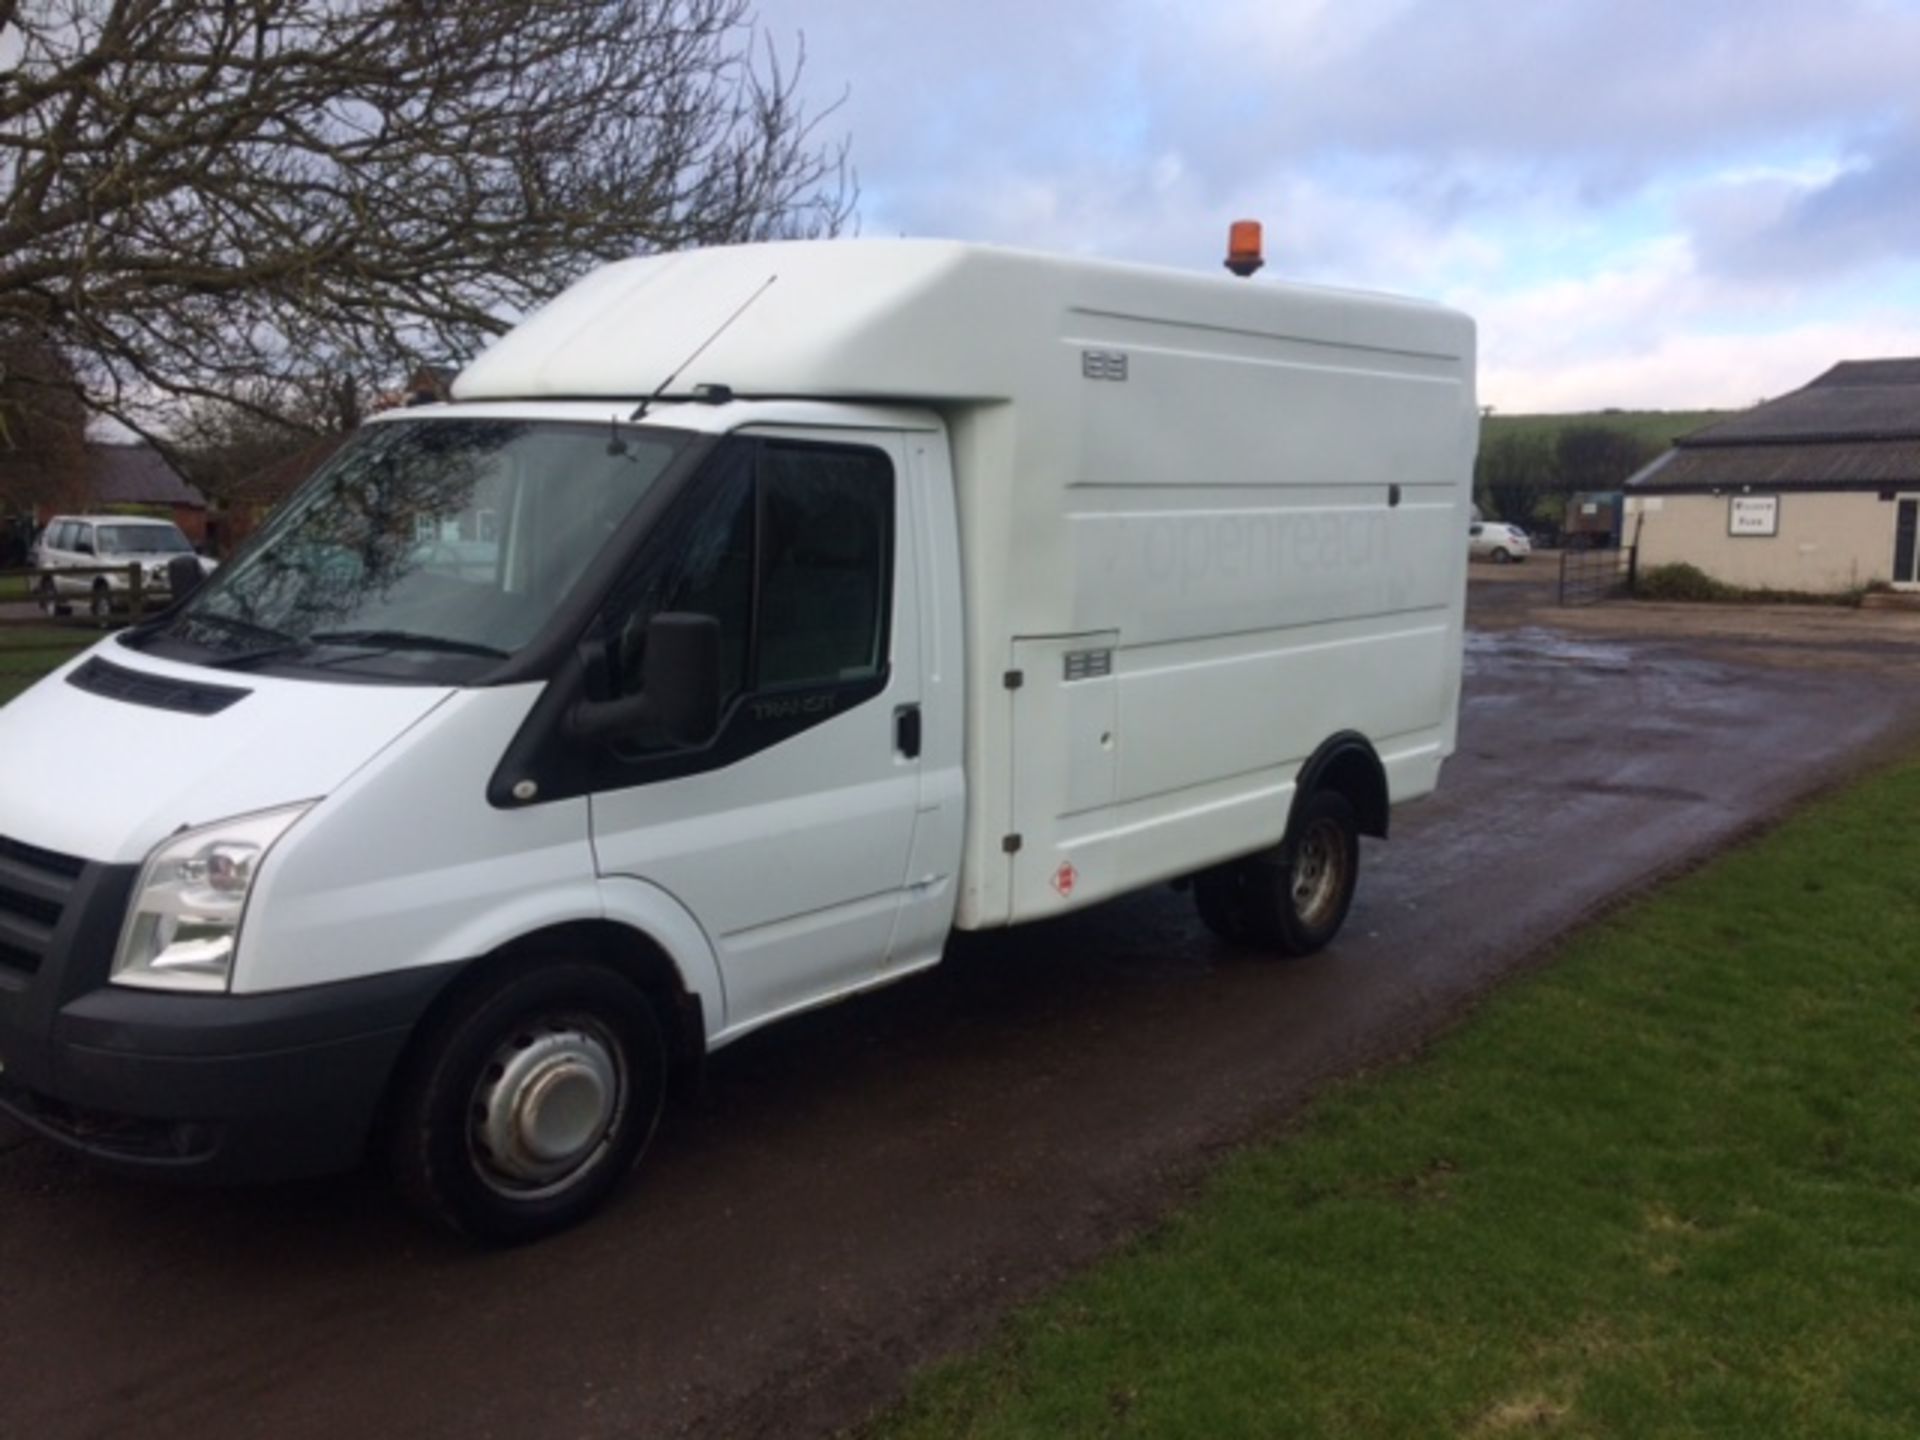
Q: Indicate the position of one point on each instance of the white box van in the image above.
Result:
(751, 619)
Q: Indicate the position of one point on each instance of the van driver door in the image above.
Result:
(789, 835)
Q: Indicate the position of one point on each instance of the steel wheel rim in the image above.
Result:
(547, 1107)
(1319, 873)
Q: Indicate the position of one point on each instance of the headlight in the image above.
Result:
(184, 925)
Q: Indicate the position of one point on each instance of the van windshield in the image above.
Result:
(428, 548)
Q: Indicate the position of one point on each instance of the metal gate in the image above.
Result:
(1590, 576)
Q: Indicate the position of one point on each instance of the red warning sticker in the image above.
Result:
(1064, 878)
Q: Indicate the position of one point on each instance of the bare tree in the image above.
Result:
(43, 427)
(221, 200)
(220, 445)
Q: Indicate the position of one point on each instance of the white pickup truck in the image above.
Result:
(751, 619)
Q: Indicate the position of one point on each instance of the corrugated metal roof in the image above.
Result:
(1873, 372)
(1855, 400)
(1871, 465)
(1857, 427)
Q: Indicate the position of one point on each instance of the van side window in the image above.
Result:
(789, 546)
(826, 523)
(82, 539)
(700, 561)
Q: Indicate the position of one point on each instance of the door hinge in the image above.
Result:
(1010, 844)
(1014, 679)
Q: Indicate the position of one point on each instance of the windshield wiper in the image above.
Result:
(405, 640)
(279, 642)
(235, 624)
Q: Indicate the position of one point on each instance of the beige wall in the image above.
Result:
(1826, 542)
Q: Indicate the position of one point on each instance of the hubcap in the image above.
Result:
(546, 1106)
(1319, 873)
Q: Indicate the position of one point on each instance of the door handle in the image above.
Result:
(906, 730)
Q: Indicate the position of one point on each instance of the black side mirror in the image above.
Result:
(680, 685)
(184, 576)
(682, 672)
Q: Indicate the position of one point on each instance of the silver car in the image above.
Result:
(83, 544)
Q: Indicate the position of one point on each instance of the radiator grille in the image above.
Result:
(35, 886)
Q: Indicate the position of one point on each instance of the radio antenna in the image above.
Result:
(641, 410)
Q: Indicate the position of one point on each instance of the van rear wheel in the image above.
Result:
(1294, 898)
(526, 1103)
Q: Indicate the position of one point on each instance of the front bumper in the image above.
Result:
(213, 1087)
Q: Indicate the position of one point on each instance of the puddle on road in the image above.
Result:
(1655, 691)
(1535, 642)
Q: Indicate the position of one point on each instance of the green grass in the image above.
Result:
(28, 652)
(1669, 1186)
(1658, 427)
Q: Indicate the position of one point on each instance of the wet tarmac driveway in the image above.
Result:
(859, 1191)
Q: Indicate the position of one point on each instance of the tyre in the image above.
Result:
(1294, 898)
(100, 604)
(49, 596)
(526, 1103)
(1502, 557)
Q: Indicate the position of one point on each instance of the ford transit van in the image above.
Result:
(749, 620)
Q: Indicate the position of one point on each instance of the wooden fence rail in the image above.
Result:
(84, 609)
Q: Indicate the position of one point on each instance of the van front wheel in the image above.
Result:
(1293, 898)
(528, 1101)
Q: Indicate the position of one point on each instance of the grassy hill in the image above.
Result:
(1528, 464)
(1656, 427)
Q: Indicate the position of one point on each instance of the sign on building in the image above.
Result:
(1754, 515)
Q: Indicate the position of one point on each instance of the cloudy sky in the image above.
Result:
(1646, 203)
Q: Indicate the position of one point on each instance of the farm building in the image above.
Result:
(131, 480)
(1818, 491)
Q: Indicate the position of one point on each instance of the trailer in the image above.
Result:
(1594, 519)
